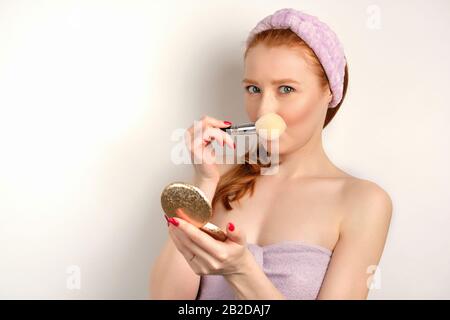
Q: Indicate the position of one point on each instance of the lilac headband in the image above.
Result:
(320, 38)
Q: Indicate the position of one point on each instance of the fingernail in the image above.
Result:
(227, 123)
(230, 226)
(167, 219)
(234, 145)
(174, 222)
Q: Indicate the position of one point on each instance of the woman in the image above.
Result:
(310, 231)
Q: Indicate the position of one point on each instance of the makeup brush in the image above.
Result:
(270, 126)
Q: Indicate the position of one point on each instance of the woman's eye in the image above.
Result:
(249, 89)
(253, 89)
(290, 89)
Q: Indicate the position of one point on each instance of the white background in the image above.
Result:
(91, 91)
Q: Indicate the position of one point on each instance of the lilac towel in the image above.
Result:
(297, 269)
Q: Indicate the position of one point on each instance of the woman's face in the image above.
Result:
(282, 80)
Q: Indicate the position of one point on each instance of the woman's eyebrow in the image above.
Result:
(280, 81)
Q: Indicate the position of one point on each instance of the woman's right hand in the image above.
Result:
(200, 146)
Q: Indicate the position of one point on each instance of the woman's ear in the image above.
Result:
(329, 96)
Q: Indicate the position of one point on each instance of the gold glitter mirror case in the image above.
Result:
(185, 201)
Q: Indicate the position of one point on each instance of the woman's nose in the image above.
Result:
(268, 104)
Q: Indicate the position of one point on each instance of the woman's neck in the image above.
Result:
(308, 161)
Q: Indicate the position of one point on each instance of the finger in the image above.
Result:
(228, 139)
(188, 254)
(212, 246)
(214, 122)
(203, 256)
(205, 122)
(213, 133)
(203, 153)
(167, 219)
(207, 136)
(194, 135)
(185, 251)
(178, 241)
(224, 137)
(235, 234)
(197, 136)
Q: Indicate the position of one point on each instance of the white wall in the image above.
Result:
(90, 92)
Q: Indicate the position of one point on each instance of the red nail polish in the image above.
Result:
(234, 145)
(228, 123)
(230, 226)
(174, 222)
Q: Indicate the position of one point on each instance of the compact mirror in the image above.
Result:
(188, 202)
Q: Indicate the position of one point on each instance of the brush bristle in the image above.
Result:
(270, 126)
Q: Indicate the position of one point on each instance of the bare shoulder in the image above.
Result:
(363, 192)
(366, 203)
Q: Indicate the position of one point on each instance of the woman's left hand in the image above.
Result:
(207, 255)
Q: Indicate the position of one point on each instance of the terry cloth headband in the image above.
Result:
(320, 38)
